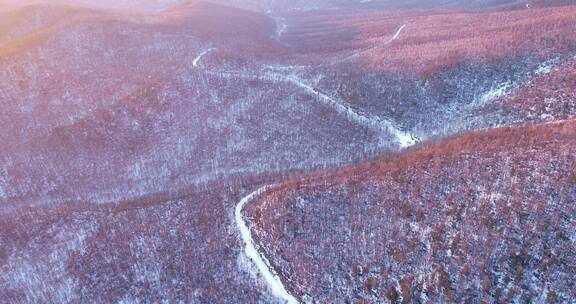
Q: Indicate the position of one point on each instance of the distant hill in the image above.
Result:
(281, 6)
(278, 6)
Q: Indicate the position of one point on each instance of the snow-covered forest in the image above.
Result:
(257, 151)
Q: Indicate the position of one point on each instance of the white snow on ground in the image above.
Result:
(398, 32)
(196, 60)
(495, 93)
(546, 67)
(2, 191)
(281, 27)
(548, 109)
(259, 259)
(507, 87)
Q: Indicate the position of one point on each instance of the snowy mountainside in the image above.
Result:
(159, 121)
(407, 66)
(133, 132)
(487, 216)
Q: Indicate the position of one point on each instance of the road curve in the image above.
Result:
(398, 32)
(251, 250)
(196, 60)
(403, 138)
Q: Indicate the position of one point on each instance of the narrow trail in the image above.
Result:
(196, 60)
(251, 250)
(398, 32)
(403, 138)
(263, 265)
(359, 53)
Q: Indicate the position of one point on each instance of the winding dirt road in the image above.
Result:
(251, 250)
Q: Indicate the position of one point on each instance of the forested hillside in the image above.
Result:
(282, 151)
(485, 217)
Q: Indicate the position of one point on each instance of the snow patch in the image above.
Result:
(546, 117)
(281, 27)
(252, 252)
(495, 93)
(3, 193)
(546, 67)
(244, 263)
(404, 139)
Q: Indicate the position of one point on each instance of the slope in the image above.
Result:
(487, 216)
